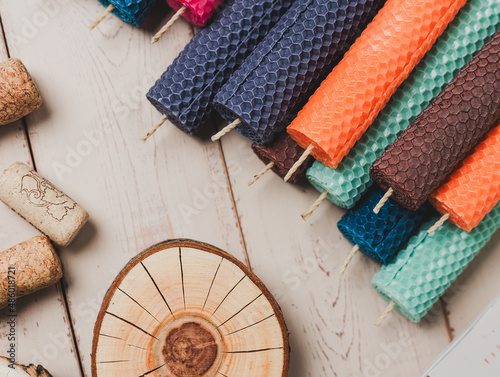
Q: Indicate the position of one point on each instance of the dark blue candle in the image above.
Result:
(131, 11)
(186, 89)
(286, 67)
(380, 236)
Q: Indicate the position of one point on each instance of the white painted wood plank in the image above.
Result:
(476, 287)
(137, 193)
(331, 319)
(42, 332)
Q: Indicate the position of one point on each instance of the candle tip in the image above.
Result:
(348, 259)
(438, 223)
(168, 25)
(101, 17)
(385, 313)
(226, 130)
(256, 177)
(299, 162)
(315, 205)
(155, 128)
(382, 201)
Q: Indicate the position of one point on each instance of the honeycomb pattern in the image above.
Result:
(474, 188)
(198, 12)
(428, 265)
(380, 236)
(132, 11)
(476, 22)
(348, 101)
(290, 62)
(284, 152)
(186, 89)
(425, 154)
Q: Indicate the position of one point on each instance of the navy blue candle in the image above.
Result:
(185, 91)
(286, 67)
(131, 11)
(380, 236)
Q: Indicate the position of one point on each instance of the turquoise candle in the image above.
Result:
(475, 24)
(427, 266)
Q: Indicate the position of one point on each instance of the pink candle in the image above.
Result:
(197, 12)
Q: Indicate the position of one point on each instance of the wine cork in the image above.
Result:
(41, 204)
(27, 268)
(19, 95)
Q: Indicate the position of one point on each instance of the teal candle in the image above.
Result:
(474, 25)
(427, 266)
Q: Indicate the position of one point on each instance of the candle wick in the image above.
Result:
(385, 313)
(299, 162)
(261, 173)
(382, 201)
(169, 24)
(438, 223)
(226, 130)
(155, 128)
(348, 259)
(315, 205)
(102, 16)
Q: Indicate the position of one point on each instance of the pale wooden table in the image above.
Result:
(137, 194)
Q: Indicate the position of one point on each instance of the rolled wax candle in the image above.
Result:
(186, 89)
(284, 69)
(283, 153)
(427, 266)
(132, 11)
(476, 22)
(428, 151)
(348, 101)
(19, 95)
(380, 236)
(474, 188)
(198, 12)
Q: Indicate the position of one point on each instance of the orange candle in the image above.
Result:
(357, 89)
(474, 188)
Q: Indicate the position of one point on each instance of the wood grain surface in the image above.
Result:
(86, 139)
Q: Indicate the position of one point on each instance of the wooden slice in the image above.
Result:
(187, 309)
(7, 368)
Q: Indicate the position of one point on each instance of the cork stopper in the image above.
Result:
(26, 268)
(19, 95)
(40, 203)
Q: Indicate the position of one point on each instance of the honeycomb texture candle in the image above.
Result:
(132, 11)
(428, 265)
(476, 22)
(358, 88)
(198, 12)
(380, 236)
(428, 151)
(282, 72)
(474, 188)
(283, 152)
(186, 89)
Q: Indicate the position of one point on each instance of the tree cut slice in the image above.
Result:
(187, 309)
(7, 368)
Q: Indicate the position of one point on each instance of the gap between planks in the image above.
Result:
(61, 283)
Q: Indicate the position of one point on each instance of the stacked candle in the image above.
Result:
(287, 65)
(425, 154)
(348, 101)
(186, 89)
(428, 265)
(131, 11)
(476, 22)
(281, 155)
(196, 12)
(381, 235)
(474, 188)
